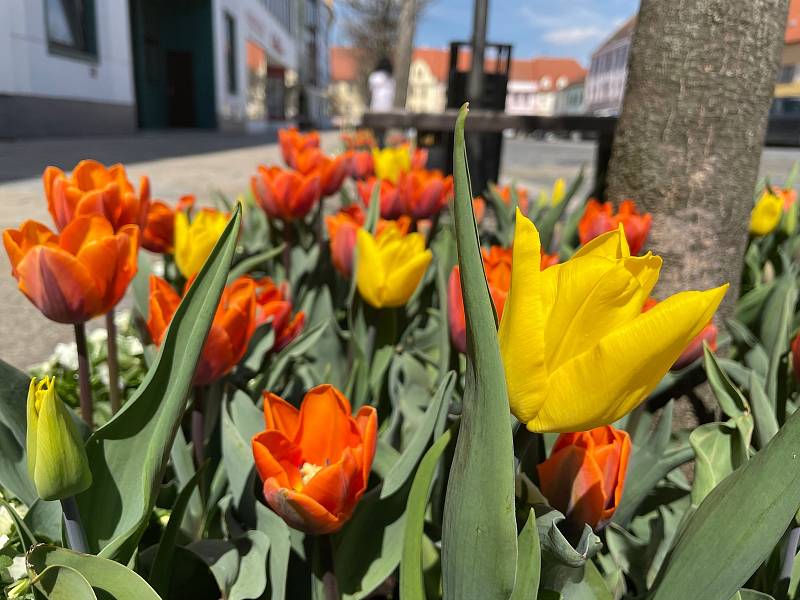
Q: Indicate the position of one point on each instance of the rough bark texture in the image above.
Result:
(688, 145)
(405, 47)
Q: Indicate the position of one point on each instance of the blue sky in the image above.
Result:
(534, 27)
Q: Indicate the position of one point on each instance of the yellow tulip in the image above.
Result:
(390, 163)
(559, 191)
(766, 213)
(57, 462)
(390, 267)
(578, 352)
(195, 241)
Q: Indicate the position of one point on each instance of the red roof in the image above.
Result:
(343, 65)
(793, 23)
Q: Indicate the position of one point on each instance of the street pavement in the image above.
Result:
(202, 163)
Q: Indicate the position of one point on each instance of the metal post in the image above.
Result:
(475, 83)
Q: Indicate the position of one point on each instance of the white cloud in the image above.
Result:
(575, 35)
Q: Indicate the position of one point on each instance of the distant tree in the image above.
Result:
(372, 27)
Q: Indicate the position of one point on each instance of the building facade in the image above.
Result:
(605, 82)
(534, 84)
(61, 73)
(570, 100)
(788, 82)
(70, 67)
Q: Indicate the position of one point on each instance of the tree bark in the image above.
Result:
(405, 48)
(689, 140)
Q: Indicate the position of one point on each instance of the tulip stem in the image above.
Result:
(287, 248)
(76, 538)
(789, 553)
(330, 585)
(84, 384)
(198, 426)
(432, 230)
(113, 363)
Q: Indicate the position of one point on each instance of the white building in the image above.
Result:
(570, 100)
(605, 83)
(73, 67)
(65, 68)
(535, 83)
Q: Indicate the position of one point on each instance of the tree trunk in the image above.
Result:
(689, 140)
(405, 48)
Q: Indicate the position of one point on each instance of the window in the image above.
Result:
(230, 52)
(786, 74)
(70, 26)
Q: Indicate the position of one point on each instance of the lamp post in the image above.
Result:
(475, 82)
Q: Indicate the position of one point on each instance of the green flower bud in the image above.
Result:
(57, 462)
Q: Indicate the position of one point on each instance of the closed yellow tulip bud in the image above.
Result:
(559, 191)
(390, 163)
(390, 267)
(195, 241)
(578, 352)
(766, 214)
(57, 462)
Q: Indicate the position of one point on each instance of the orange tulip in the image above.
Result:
(789, 197)
(479, 208)
(273, 305)
(93, 189)
(391, 204)
(548, 260)
(230, 333)
(419, 159)
(598, 218)
(292, 142)
(522, 197)
(424, 193)
(77, 275)
(331, 171)
(360, 162)
(285, 195)
(315, 462)
(158, 234)
(497, 266)
(585, 474)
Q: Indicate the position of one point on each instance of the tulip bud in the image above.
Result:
(57, 462)
(796, 356)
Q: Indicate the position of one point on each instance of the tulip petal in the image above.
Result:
(582, 501)
(612, 244)
(277, 458)
(403, 281)
(522, 326)
(370, 275)
(280, 415)
(300, 511)
(337, 486)
(367, 422)
(326, 427)
(608, 380)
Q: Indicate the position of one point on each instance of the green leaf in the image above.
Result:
(720, 448)
(776, 325)
(529, 559)
(750, 510)
(111, 579)
(651, 461)
(237, 565)
(412, 585)
(63, 583)
(575, 583)
(26, 537)
(128, 454)
(750, 305)
(402, 469)
(248, 264)
(161, 570)
(730, 399)
(553, 214)
(13, 431)
(766, 424)
(751, 595)
(479, 537)
(556, 547)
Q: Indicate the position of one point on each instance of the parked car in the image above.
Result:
(783, 128)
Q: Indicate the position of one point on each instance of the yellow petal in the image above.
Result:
(370, 275)
(612, 244)
(521, 335)
(613, 377)
(403, 281)
(559, 191)
(766, 214)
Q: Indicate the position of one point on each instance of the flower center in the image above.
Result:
(308, 470)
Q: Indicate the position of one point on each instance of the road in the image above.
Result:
(201, 163)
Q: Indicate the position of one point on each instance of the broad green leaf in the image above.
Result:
(412, 584)
(776, 325)
(252, 262)
(766, 424)
(529, 560)
(13, 463)
(751, 595)
(750, 305)
(575, 583)
(57, 582)
(128, 454)
(111, 579)
(750, 509)
(720, 448)
(479, 535)
(237, 565)
(402, 469)
(555, 547)
(182, 461)
(161, 571)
